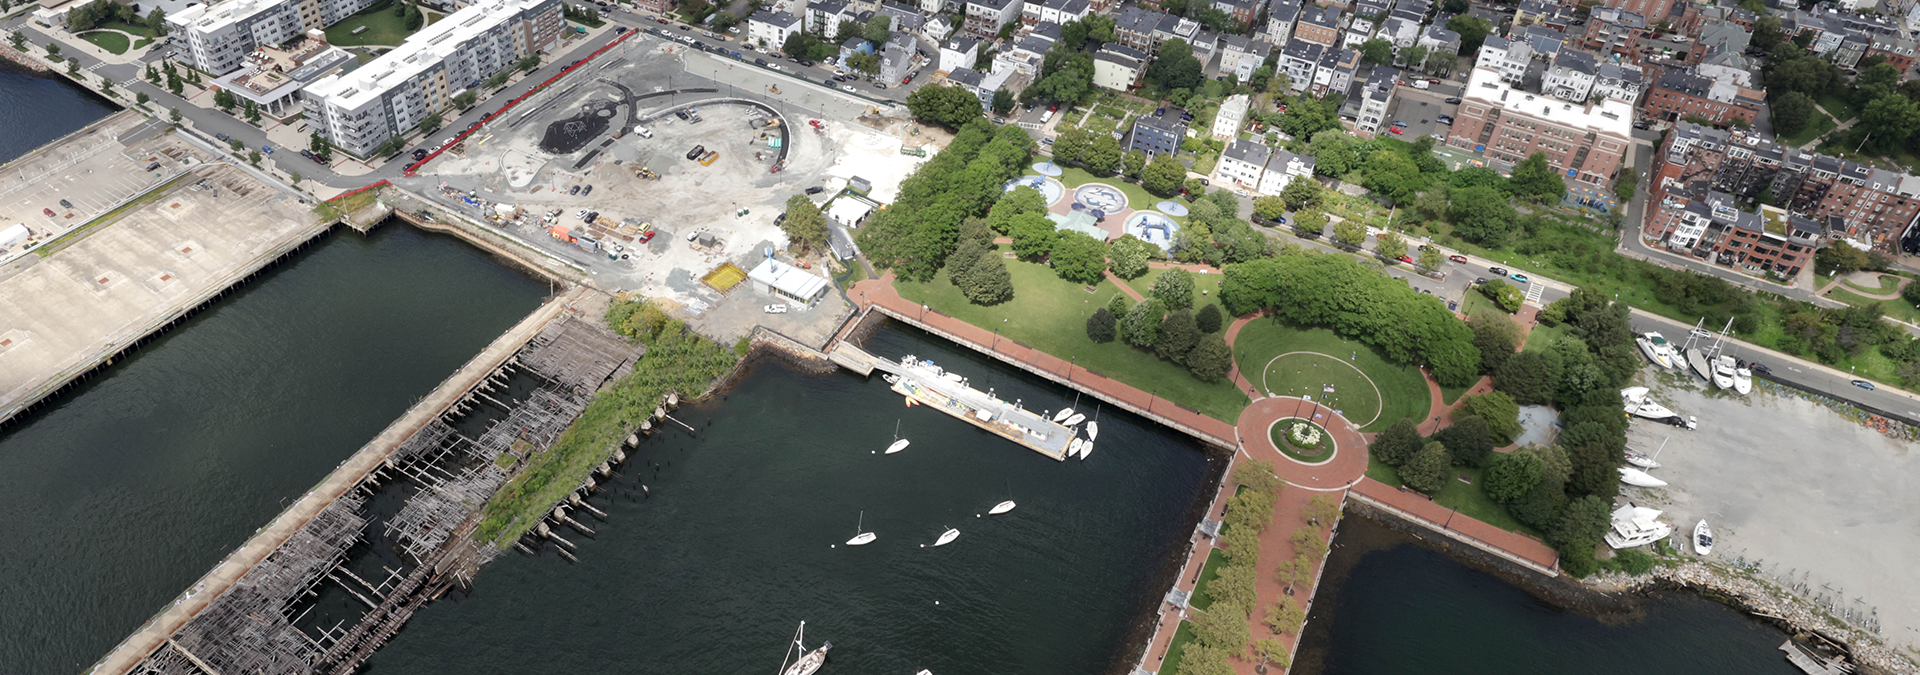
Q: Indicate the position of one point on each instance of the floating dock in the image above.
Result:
(927, 384)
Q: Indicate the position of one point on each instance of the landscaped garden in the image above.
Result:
(108, 40)
(1372, 392)
(1302, 440)
(1887, 284)
(1893, 307)
(1050, 314)
(382, 28)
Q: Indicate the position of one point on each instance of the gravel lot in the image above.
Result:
(1811, 496)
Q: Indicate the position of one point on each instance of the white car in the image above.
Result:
(775, 309)
(848, 88)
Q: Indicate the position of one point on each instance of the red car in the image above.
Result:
(1406, 259)
(1399, 130)
(49, 212)
(1458, 258)
(645, 237)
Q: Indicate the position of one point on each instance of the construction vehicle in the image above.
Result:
(916, 152)
(647, 173)
(774, 89)
(711, 155)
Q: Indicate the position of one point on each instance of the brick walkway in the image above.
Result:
(1512, 545)
(1349, 462)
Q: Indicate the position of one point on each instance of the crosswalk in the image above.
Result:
(1534, 291)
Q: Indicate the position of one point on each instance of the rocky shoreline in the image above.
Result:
(16, 60)
(1768, 601)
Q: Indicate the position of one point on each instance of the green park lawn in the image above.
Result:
(383, 28)
(1466, 498)
(1841, 109)
(1817, 125)
(142, 31)
(142, 42)
(1206, 287)
(1177, 647)
(108, 40)
(1542, 337)
(1052, 315)
(1402, 389)
(1215, 561)
(1896, 308)
(1887, 285)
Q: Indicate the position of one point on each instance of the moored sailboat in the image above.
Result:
(810, 661)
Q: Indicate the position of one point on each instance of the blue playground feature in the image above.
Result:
(1050, 189)
(1153, 227)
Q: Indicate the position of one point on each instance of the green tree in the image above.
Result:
(1312, 223)
(1531, 378)
(1079, 258)
(1132, 163)
(174, 115)
(1495, 335)
(320, 146)
(1534, 180)
(1414, 55)
(1164, 176)
(1891, 120)
(1102, 326)
(1022, 199)
(1141, 326)
(225, 100)
(1174, 66)
(1511, 475)
(236, 144)
(73, 68)
(1377, 51)
(1581, 524)
(19, 40)
(1350, 232)
(1625, 183)
(1390, 245)
(294, 177)
(1269, 208)
(252, 112)
(1103, 156)
(1033, 236)
(878, 29)
(1503, 294)
(1473, 30)
(1221, 630)
(1119, 304)
(141, 97)
(1792, 111)
(1178, 335)
(1468, 441)
(1430, 258)
(1233, 589)
(1335, 152)
(804, 226)
(1128, 256)
(1071, 145)
(1429, 469)
(1210, 360)
(1301, 193)
(1285, 616)
(53, 49)
(987, 281)
(253, 157)
(174, 84)
(1002, 101)
(1395, 445)
(1482, 215)
(465, 100)
(1501, 414)
(1174, 289)
(1273, 652)
(1209, 319)
(430, 123)
(947, 105)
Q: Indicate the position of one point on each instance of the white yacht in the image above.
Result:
(1702, 538)
(1655, 347)
(1635, 402)
(1638, 478)
(1642, 461)
(810, 661)
(1073, 446)
(897, 446)
(1742, 378)
(1062, 415)
(1075, 420)
(1723, 372)
(1636, 526)
(1086, 450)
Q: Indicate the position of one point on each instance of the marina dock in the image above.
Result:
(924, 383)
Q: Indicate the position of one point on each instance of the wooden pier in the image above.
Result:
(923, 383)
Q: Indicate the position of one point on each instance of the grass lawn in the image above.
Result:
(142, 31)
(1475, 300)
(1382, 472)
(1470, 500)
(1817, 126)
(108, 40)
(1402, 389)
(1353, 396)
(1205, 286)
(1543, 336)
(1052, 315)
(1215, 561)
(1898, 309)
(1888, 282)
(1181, 636)
(1449, 395)
(1841, 109)
(383, 28)
(143, 42)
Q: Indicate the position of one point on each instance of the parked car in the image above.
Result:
(1405, 259)
(908, 80)
(574, 191)
(1399, 131)
(1497, 271)
(847, 88)
(586, 190)
(696, 152)
(1482, 281)
(1863, 384)
(1444, 119)
(419, 153)
(49, 212)
(66, 204)
(1162, 112)
(1516, 276)
(1458, 258)
(223, 137)
(1454, 99)
(759, 62)
(815, 190)
(806, 63)
(662, 22)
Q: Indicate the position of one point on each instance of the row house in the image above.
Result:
(1135, 27)
(1375, 98)
(1509, 58)
(1231, 117)
(1242, 11)
(823, 17)
(1318, 25)
(1299, 61)
(1439, 40)
(1571, 76)
(771, 28)
(1545, 41)
(1613, 30)
(1620, 82)
(1240, 56)
(1372, 10)
(986, 17)
(1282, 168)
(1281, 15)
(1323, 73)
(1118, 67)
(903, 18)
(1708, 225)
(1156, 135)
(1583, 141)
(1054, 11)
(1650, 10)
(1685, 93)
(1258, 168)
(1531, 12)
(1851, 48)
(1400, 32)
(957, 53)
(1897, 50)
(1346, 66)
(1360, 30)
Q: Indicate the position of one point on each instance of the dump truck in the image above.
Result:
(711, 155)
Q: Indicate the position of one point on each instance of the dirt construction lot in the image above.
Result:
(1821, 503)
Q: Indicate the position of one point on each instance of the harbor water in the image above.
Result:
(35, 109)
(1392, 606)
(122, 492)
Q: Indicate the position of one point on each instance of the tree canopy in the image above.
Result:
(946, 105)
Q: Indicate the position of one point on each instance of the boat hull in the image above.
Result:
(809, 664)
(1638, 478)
(1093, 430)
(1697, 362)
(862, 539)
(897, 446)
(947, 538)
(1702, 539)
(1001, 507)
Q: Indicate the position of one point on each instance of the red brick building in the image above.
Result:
(1584, 142)
(1679, 94)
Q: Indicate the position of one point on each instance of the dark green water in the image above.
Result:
(712, 572)
(1392, 606)
(126, 490)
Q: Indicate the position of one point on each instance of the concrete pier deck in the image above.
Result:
(104, 289)
(162, 626)
(85, 174)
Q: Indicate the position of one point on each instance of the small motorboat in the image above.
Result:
(1742, 378)
(897, 446)
(861, 538)
(1073, 446)
(1086, 449)
(1075, 420)
(1063, 414)
(947, 537)
(1638, 478)
(1702, 538)
(1000, 508)
(1657, 350)
(1093, 430)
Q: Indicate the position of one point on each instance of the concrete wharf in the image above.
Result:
(922, 382)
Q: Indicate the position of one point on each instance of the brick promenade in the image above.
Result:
(1343, 476)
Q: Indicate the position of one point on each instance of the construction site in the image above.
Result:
(652, 179)
(338, 574)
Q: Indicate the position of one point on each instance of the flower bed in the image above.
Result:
(1302, 440)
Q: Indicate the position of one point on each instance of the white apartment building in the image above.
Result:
(1282, 168)
(389, 96)
(1231, 117)
(770, 29)
(1242, 164)
(219, 36)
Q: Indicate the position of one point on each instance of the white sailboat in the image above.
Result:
(1086, 450)
(1723, 372)
(1655, 347)
(1062, 415)
(1702, 538)
(1646, 461)
(1073, 446)
(1093, 430)
(861, 538)
(1075, 420)
(1000, 508)
(1696, 357)
(1638, 478)
(898, 442)
(1636, 526)
(947, 537)
(810, 661)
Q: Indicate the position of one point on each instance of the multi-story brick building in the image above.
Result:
(1653, 10)
(1583, 141)
(1682, 93)
(1318, 25)
(1709, 225)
